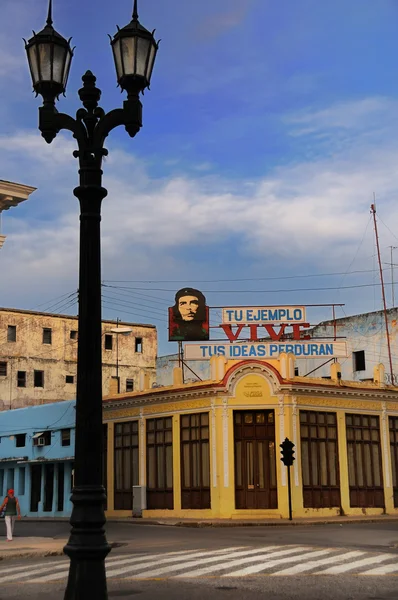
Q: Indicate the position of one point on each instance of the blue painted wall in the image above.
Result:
(17, 463)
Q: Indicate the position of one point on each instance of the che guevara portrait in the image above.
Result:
(189, 317)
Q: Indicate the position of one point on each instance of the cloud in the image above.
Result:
(305, 213)
(215, 25)
(366, 113)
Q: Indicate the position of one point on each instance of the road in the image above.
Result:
(333, 562)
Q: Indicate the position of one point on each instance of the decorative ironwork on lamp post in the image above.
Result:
(49, 56)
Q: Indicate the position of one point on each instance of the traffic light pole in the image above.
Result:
(289, 489)
(288, 459)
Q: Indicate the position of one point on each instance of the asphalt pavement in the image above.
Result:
(355, 561)
(377, 535)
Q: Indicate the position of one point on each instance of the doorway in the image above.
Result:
(255, 464)
(35, 487)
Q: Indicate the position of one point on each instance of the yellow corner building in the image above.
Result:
(210, 449)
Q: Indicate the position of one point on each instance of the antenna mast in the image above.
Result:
(373, 211)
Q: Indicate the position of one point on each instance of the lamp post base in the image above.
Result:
(87, 546)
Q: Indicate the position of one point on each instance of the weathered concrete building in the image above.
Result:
(38, 357)
(366, 339)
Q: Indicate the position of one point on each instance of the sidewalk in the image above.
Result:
(30, 547)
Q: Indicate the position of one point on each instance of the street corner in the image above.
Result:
(30, 548)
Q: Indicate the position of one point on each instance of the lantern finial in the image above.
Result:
(49, 16)
(135, 11)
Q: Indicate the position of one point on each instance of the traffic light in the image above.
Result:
(287, 452)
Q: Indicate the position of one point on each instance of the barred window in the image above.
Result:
(126, 463)
(319, 459)
(195, 461)
(159, 441)
(364, 461)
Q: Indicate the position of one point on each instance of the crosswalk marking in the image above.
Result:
(234, 563)
(23, 567)
(205, 561)
(272, 563)
(383, 570)
(297, 569)
(136, 567)
(359, 563)
(29, 573)
(164, 561)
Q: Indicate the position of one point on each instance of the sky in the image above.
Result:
(268, 130)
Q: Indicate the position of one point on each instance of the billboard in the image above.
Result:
(263, 315)
(189, 317)
(303, 349)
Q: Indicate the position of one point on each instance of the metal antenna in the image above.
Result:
(135, 11)
(49, 16)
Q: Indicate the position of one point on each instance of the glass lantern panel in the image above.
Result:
(143, 48)
(151, 62)
(45, 61)
(58, 64)
(118, 59)
(128, 53)
(66, 67)
(32, 56)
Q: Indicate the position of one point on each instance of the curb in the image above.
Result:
(281, 523)
(31, 554)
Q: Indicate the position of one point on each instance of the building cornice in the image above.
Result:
(231, 378)
(11, 194)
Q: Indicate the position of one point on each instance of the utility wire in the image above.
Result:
(236, 280)
(321, 289)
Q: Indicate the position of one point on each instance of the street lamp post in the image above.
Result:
(49, 56)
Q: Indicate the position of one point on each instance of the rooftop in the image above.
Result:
(73, 317)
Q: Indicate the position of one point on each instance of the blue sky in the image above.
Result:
(266, 131)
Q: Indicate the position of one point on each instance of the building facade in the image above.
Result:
(38, 357)
(366, 339)
(211, 449)
(36, 457)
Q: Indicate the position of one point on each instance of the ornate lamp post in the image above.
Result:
(49, 57)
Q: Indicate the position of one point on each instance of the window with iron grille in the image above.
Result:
(159, 442)
(359, 360)
(319, 459)
(105, 461)
(126, 463)
(3, 369)
(12, 333)
(47, 335)
(65, 437)
(365, 473)
(20, 440)
(195, 461)
(21, 378)
(393, 427)
(38, 378)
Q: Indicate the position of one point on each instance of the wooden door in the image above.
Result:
(255, 467)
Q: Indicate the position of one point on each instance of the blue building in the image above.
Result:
(37, 446)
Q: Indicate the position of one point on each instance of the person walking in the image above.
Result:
(12, 509)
